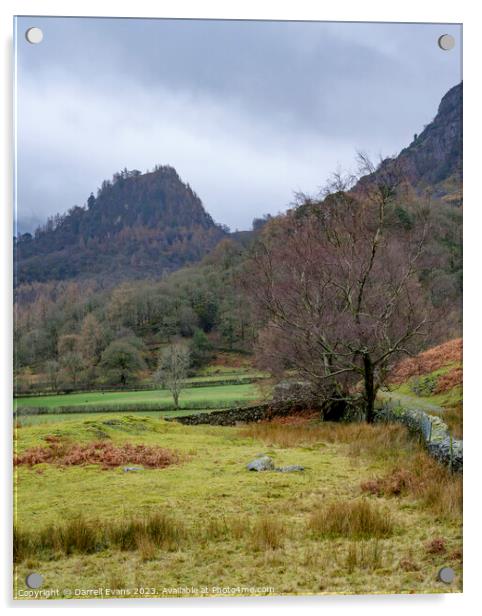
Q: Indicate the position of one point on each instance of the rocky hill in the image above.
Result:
(138, 225)
(434, 158)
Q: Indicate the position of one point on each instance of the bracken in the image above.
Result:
(99, 452)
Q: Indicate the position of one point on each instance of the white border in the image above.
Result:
(461, 11)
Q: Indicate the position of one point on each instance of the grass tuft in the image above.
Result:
(365, 555)
(357, 519)
(267, 533)
(76, 535)
(82, 536)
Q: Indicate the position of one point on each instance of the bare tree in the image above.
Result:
(72, 364)
(172, 369)
(52, 369)
(337, 283)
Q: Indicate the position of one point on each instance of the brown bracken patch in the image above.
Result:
(408, 564)
(456, 555)
(436, 546)
(394, 484)
(422, 478)
(104, 453)
(428, 361)
(449, 380)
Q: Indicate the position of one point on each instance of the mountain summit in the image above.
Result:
(433, 160)
(138, 225)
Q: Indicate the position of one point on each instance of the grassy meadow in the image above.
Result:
(157, 403)
(54, 418)
(215, 394)
(371, 513)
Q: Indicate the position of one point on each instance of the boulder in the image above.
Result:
(261, 464)
(293, 468)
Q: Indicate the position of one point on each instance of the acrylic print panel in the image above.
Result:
(237, 308)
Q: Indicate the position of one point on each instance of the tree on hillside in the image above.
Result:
(91, 340)
(72, 363)
(337, 284)
(122, 360)
(52, 369)
(200, 349)
(172, 369)
(68, 343)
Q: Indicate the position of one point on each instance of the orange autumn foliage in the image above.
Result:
(429, 361)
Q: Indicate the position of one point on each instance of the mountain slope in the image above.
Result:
(139, 225)
(434, 158)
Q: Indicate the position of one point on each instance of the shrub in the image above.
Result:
(423, 385)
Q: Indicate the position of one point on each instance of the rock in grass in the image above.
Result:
(293, 468)
(261, 464)
(130, 469)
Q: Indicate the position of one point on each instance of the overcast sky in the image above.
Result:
(247, 112)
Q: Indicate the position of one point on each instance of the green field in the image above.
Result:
(53, 418)
(228, 527)
(215, 394)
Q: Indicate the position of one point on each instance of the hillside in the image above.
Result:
(433, 381)
(434, 158)
(138, 225)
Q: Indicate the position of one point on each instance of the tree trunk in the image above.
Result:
(370, 392)
(175, 395)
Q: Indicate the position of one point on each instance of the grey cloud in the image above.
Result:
(247, 111)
